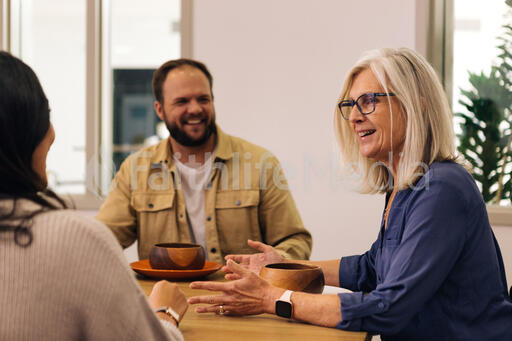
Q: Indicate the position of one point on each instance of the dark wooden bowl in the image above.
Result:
(294, 276)
(177, 256)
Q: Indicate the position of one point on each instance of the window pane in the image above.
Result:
(51, 39)
(481, 102)
(143, 35)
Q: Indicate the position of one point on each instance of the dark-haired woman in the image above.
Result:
(62, 276)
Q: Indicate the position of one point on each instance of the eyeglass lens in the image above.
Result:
(365, 104)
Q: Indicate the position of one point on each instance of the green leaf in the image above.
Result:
(487, 119)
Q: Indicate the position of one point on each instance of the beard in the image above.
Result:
(185, 139)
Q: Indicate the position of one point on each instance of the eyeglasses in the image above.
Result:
(364, 103)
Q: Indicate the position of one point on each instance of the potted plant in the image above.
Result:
(485, 140)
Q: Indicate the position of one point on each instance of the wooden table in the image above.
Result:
(260, 327)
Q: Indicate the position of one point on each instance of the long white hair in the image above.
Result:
(429, 132)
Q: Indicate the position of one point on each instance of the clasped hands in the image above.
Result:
(246, 293)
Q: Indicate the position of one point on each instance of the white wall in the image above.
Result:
(278, 67)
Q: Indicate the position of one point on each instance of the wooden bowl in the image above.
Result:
(177, 256)
(294, 276)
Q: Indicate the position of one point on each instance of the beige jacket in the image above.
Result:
(246, 198)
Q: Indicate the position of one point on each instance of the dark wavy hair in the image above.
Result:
(24, 122)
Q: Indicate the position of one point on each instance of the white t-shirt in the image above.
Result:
(194, 177)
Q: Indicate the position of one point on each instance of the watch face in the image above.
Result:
(284, 309)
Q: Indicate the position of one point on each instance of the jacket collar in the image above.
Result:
(224, 147)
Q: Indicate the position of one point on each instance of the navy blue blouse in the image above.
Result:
(436, 271)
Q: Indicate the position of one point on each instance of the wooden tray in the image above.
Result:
(144, 268)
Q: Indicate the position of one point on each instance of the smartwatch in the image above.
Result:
(169, 312)
(284, 307)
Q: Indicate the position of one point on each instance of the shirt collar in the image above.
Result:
(224, 149)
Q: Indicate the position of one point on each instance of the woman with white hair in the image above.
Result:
(435, 271)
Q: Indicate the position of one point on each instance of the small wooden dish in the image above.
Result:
(177, 256)
(294, 276)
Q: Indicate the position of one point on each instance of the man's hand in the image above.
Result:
(253, 262)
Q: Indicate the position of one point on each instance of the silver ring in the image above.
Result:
(221, 310)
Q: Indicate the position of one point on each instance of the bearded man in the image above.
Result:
(201, 185)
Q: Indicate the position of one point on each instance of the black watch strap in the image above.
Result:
(284, 306)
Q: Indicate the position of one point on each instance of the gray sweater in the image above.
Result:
(71, 283)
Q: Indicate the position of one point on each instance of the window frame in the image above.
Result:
(5, 24)
(95, 26)
(440, 38)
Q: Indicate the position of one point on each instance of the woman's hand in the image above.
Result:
(248, 295)
(169, 295)
(254, 262)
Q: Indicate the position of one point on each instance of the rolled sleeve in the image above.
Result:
(356, 305)
(348, 272)
(116, 212)
(357, 273)
(280, 221)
